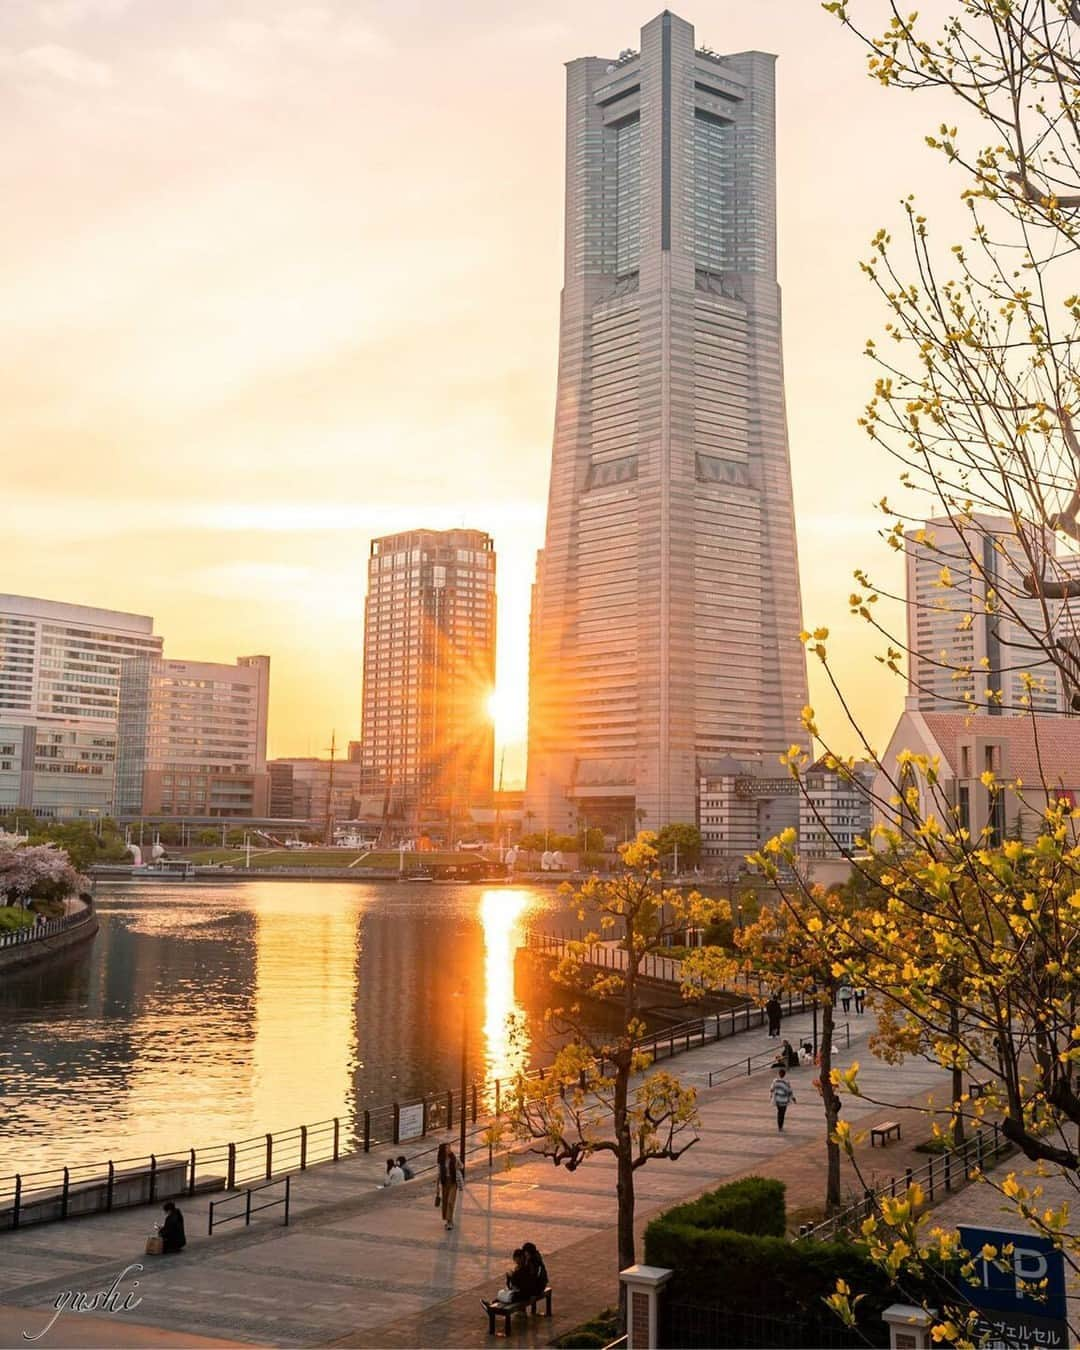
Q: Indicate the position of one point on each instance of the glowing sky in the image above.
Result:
(279, 277)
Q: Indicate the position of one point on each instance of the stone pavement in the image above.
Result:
(361, 1266)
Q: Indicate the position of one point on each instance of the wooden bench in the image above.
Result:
(494, 1309)
(883, 1131)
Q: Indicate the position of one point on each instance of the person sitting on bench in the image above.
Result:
(538, 1275)
(519, 1281)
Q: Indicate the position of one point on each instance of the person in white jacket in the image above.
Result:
(782, 1095)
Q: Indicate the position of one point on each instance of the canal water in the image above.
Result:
(210, 1012)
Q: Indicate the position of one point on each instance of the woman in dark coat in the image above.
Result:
(173, 1238)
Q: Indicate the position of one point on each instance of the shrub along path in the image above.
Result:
(361, 1267)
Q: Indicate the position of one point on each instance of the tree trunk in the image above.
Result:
(624, 1185)
(957, 1075)
(832, 1110)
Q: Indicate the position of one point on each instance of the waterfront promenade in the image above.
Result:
(361, 1266)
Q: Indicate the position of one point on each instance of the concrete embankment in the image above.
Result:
(82, 925)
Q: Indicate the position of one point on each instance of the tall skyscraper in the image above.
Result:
(59, 685)
(966, 617)
(192, 739)
(427, 738)
(666, 634)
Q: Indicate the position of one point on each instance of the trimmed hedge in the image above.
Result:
(729, 1247)
(753, 1205)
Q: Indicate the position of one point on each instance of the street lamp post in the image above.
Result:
(464, 1067)
(813, 996)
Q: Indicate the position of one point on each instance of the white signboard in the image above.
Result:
(411, 1121)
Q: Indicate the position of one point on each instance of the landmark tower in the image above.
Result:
(666, 609)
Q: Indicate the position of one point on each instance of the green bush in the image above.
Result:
(752, 1205)
(729, 1247)
(598, 1331)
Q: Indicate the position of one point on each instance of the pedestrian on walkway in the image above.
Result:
(782, 1096)
(773, 1011)
(860, 999)
(406, 1170)
(844, 995)
(449, 1177)
(394, 1173)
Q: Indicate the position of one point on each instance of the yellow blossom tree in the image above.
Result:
(601, 1096)
(970, 943)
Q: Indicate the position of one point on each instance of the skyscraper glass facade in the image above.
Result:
(667, 610)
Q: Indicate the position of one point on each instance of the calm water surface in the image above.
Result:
(206, 1013)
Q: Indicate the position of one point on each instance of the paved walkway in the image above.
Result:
(361, 1266)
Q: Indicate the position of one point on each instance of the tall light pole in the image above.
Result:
(464, 1068)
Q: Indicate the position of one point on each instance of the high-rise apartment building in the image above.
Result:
(59, 685)
(192, 739)
(966, 619)
(666, 637)
(427, 739)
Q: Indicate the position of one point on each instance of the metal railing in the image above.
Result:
(611, 955)
(36, 931)
(942, 1174)
(743, 1068)
(261, 1158)
(249, 1209)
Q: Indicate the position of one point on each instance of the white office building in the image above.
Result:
(836, 811)
(966, 619)
(59, 687)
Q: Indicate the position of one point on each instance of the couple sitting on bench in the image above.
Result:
(526, 1284)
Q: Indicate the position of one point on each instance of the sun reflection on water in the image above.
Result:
(500, 918)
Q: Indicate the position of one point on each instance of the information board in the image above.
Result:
(411, 1121)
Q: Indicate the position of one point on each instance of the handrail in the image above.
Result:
(735, 1068)
(263, 1156)
(249, 1209)
(36, 931)
(946, 1164)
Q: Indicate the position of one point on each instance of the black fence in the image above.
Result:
(690, 1326)
(34, 932)
(116, 1183)
(239, 1209)
(940, 1176)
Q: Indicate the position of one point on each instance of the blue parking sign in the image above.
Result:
(1018, 1309)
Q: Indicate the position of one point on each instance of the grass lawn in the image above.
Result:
(13, 917)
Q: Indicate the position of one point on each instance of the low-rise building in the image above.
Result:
(835, 811)
(741, 806)
(192, 739)
(300, 789)
(1043, 753)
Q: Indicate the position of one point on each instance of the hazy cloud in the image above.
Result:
(68, 13)
(62, 63)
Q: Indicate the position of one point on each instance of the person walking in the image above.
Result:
(860, 999)
(782, 1096)
(844, 995)
(774, 1011)
(449, 1177)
